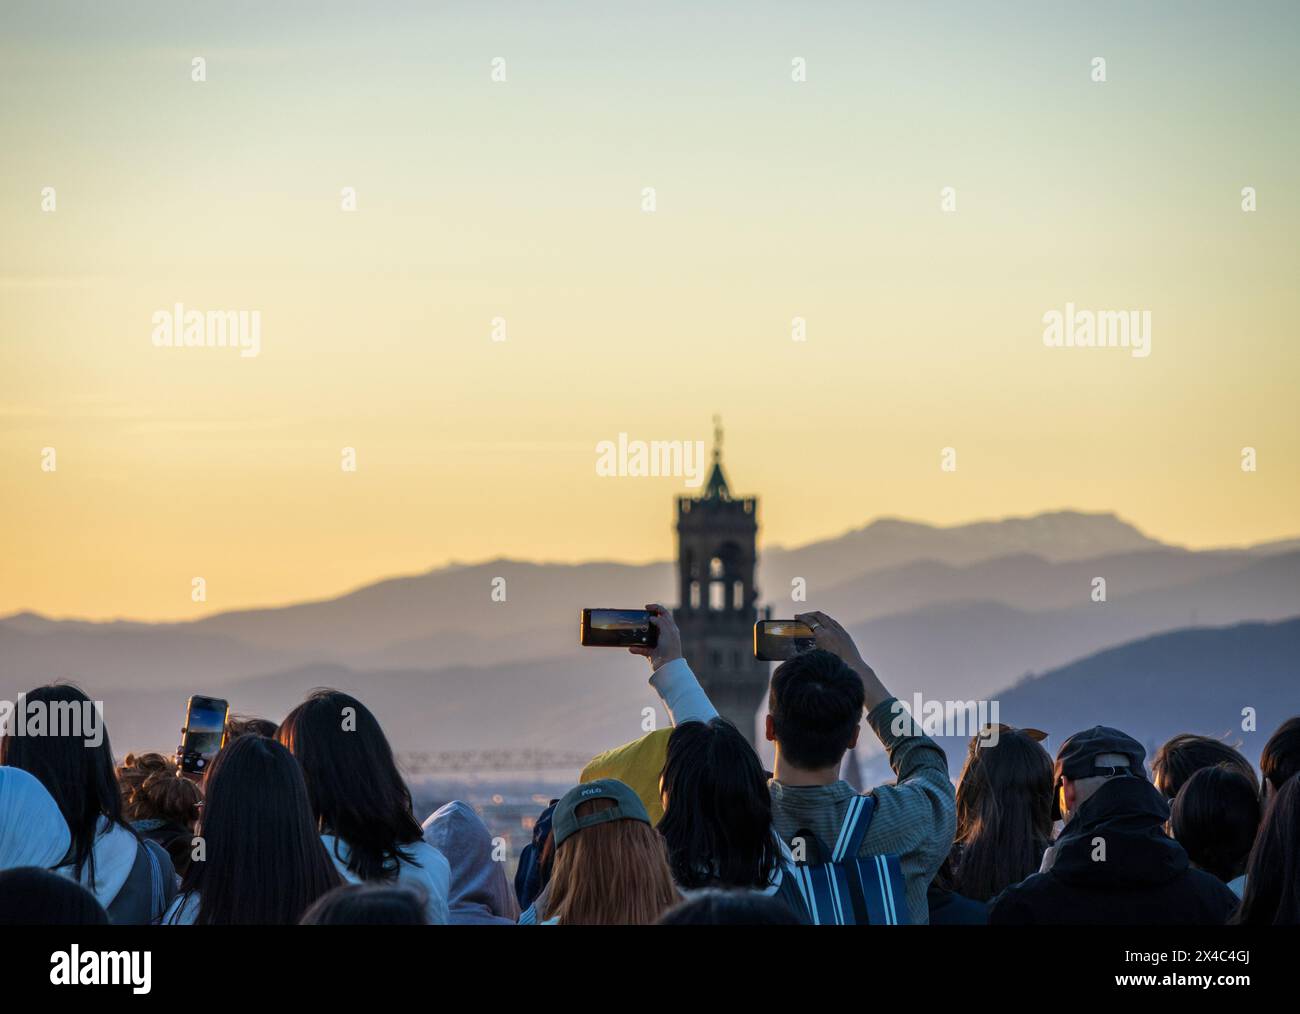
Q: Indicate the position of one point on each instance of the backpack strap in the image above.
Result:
(812, 888)
(814, 849)
(157, 884)
(856, 822)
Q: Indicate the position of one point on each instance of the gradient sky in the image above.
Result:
(479, 199)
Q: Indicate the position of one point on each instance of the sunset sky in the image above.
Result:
(522, 199)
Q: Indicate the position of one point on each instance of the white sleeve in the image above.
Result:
(681, 693)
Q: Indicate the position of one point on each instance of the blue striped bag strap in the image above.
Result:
(852, 906)
(813, 876)
(856, 823)
(875, 882)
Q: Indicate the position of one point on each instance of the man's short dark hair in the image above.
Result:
(816, 704)
(1281, 757)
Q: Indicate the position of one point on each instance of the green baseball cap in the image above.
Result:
(565, 821)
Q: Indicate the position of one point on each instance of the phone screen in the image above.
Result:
(618, 628)
(778, 640)
(205, 731)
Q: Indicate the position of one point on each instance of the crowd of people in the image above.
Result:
(310, 822)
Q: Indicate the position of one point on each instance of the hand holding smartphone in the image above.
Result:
(203, 735)
(649, 632)
(779, 640)
(617, 628)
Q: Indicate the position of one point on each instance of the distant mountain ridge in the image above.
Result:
(952, 612)
(1237, 683)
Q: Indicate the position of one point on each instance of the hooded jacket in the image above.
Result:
(134, 878)
(32, 829)
(480, 893)
(426, 872)
(1114, 864)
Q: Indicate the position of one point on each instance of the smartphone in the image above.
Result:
(204, 733)
(617, 628)
(778, 640)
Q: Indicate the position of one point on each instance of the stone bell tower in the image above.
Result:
(716, 558)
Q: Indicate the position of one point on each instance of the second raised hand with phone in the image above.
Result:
(779, 640)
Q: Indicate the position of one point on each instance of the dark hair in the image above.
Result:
(1214, 818)
(730, 908)
(717, 821)
(35, 897)
(353, 783)
(152, 790)
(1004, 813)
(367, 905)
(816, 705)
(247, 725)
(1280, 760)
(1187, 753)
(1272, 894)
(134, 770)
(263, 861)
(80, 777)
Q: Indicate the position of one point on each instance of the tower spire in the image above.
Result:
(717, 487)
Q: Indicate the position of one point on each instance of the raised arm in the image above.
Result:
(916, 817)
(672, 678)
(639, 763)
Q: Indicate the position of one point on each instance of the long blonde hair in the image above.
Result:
(611, 874)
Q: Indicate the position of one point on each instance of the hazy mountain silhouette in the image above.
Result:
(892, 542)
(588, 702)
(1184, 681)
(1024, 581)
(978, 607)
(956, 649)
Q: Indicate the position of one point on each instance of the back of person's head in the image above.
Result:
(35, 897)
(152, 790)
(717, 821)
(1272, 895)
(1086, 788)
(134, 770)
(1280, 761)
(610, 874)
(815, 703)
(730, 908)
(75, 768)
(356, 791)
(1089, 760)
(479, 891)
(1185, 754)
(1004, 812)
(1215, 817)
(367, 905)
(32, 829)
(263, 860)
(248, 725)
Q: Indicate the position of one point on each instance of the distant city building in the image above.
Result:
(717, 555)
